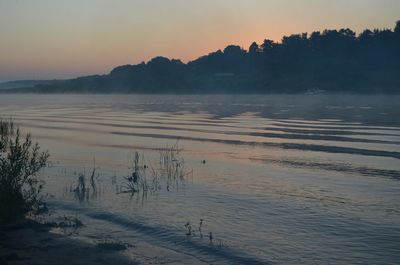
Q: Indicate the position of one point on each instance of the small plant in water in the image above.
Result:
(132, 181)
(220, 243)
(69, 222)
(200, 228)
(169, 172)
(210, 237)
(92, 181)
(81, 187)
(188, 229)
(82, 190)
(113, 245)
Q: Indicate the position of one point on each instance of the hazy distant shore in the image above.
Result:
(330, 61)
(216, 92)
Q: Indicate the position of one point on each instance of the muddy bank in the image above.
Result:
(31, 242)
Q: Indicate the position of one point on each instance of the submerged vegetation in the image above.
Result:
(168, 172)
(110, 245)
(20, 161)
(82, 190)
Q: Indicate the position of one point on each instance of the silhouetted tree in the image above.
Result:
(397, 28)
(332, 60)
(267, 45)
(254, 48)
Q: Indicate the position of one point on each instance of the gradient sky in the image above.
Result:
(45, 39)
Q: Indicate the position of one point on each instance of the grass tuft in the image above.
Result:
(113, 245)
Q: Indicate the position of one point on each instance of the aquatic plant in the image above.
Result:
(169, 172)
(200, 228)
(212, 241)
(113, 245)
(172, 165)
(20, 162)
(81, 187)
(82, 190)
(69, 222)
(188, 229)
(132, 181)
(66, 224)
(92, 181)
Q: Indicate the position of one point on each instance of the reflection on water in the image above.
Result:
(276, 179)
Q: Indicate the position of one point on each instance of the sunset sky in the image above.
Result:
(45, 39)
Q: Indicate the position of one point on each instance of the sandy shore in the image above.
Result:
(29, 242)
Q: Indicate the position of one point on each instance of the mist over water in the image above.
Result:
(287, 179)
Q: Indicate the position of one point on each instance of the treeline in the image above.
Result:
(331, 61)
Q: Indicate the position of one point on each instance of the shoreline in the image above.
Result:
(31, 242)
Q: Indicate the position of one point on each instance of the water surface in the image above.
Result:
(287, 179)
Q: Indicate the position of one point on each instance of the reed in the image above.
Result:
(168, 172)
(82, 190)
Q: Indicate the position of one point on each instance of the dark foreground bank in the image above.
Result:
(32, 242)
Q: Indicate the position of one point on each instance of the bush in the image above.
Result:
(20, 161)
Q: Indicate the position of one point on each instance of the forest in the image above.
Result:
(331, 61)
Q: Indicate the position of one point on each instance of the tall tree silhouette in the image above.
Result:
(331, 60)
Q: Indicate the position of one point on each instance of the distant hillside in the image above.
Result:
(25, 83)
(330, 61)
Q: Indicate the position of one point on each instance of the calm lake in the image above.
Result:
(277, 179)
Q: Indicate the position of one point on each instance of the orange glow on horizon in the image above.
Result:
(61, 39)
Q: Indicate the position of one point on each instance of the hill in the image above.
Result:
(329, 61)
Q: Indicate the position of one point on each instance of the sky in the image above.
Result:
(48, 39)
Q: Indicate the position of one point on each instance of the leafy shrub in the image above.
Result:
(20, 161)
